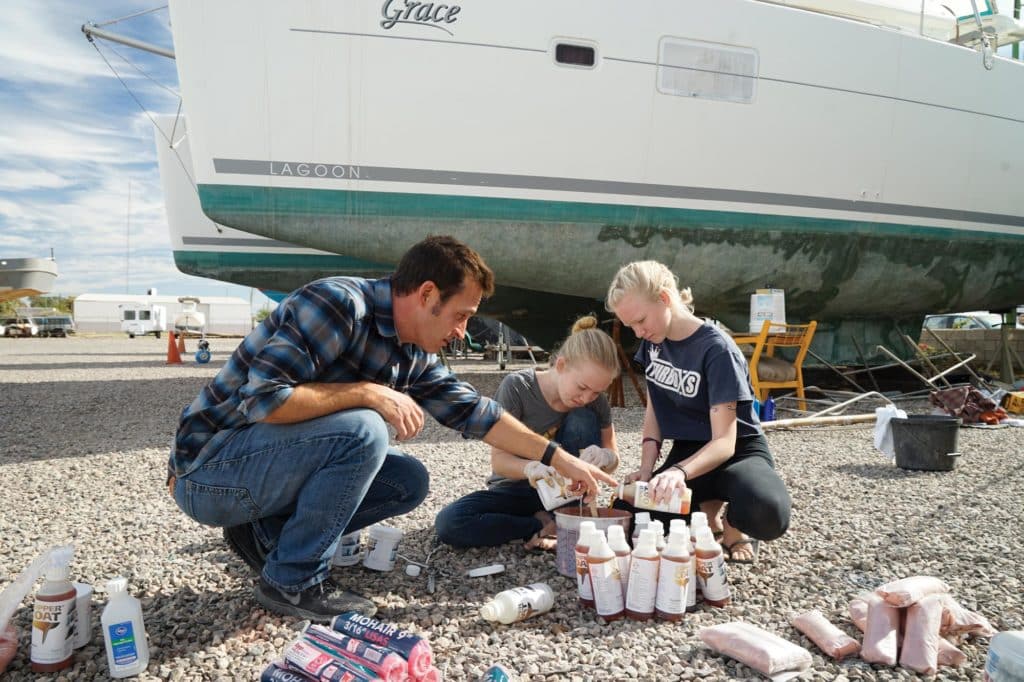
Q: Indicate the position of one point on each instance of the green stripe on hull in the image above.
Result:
(238, 200)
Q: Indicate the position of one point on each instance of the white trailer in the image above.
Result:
(139, 319)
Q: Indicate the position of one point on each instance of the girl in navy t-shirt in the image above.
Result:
(701, 399)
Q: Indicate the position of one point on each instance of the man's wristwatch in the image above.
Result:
(549, 452)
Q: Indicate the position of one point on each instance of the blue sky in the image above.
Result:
(72, 140)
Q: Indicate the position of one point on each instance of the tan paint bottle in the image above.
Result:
(673, 578)
(617, 541)
(714, 583)
(643, 578)
(583, 586)
(604, 577)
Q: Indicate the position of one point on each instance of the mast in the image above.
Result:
(92, 31)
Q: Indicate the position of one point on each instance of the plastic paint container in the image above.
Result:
(83, 609)
(381, 547)
(567, 521)
(348, 551)
(1005, 661)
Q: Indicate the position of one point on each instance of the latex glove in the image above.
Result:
(536, 470)
(603, 458)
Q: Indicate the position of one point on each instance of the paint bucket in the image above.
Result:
(1005, 662)
(381, 547)
(347, 553)
(567, 521)
(926, 442)
(83, 614)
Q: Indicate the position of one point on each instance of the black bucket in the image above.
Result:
(926, 442)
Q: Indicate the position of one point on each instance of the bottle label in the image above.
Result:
(678, 504)
(691, 586)
(624, 562)
(529, 598)
(122, 643)
(673, 580)
(53, 635)
(714, 584)
(607, 587)
(643, 582)
(583, 577)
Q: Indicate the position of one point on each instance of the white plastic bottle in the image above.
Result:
(698, 520)
(638, 494)
(673, 576)
(643, 578)
(617, 541)
(640, 521)
(54, 618)
(714, 583)
(583, 587)
(659, 533)
(124, 631)
(518, 603)
(679, 526)
(604, 577)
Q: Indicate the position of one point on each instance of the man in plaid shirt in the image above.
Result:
(288, 448)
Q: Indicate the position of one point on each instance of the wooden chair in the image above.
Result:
(768, 372)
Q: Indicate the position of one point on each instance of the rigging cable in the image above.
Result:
(169, 141)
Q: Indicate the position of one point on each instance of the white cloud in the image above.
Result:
(12, 179)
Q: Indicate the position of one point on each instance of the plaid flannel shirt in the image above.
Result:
(334, 330)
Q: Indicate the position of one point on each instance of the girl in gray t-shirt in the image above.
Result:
(564, 403)
(700, 397)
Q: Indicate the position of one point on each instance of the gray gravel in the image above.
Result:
(85, 425)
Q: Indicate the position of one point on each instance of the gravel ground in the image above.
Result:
(85, 425)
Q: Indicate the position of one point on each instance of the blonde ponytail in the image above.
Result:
(587, 343)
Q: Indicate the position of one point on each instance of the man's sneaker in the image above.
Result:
(318, 603)
(243, 542)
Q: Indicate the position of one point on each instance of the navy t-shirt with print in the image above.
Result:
(685, 378)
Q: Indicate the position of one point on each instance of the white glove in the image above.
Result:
(603, 458)
(536, 470)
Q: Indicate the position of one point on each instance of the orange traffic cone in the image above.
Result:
(173, 354)
(181, 344)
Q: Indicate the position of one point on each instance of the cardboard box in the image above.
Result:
(1014, 402)
(767, 304)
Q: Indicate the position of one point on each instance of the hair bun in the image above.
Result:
(584, 323)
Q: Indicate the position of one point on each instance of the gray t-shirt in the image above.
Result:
(685, 378)
(519, 393)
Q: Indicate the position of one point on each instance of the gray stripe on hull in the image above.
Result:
(232, 241)
(638, 189)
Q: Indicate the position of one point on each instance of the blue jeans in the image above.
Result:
(503, 513)
(302, 486)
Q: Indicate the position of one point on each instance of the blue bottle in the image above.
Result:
(768, 410)
(757, 408)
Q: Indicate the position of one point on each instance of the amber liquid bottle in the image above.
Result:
(714, 583)
(604, 578)
(643, 578)
(583, 585)
(52, 618)
(673, 578)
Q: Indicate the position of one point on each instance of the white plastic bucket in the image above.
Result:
(567, 522)
(83, 614)
(348, 552)
(381, 547)
(1005, 661)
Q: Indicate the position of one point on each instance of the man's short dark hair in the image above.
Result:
(446, 262)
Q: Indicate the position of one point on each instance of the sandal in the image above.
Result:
(755, 545)
(541, 543)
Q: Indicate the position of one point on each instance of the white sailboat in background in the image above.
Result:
(868, 168)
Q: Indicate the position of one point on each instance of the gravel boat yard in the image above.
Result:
(86, 427)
